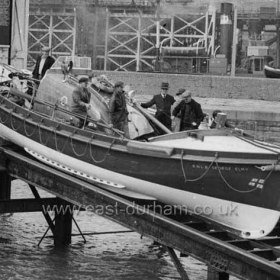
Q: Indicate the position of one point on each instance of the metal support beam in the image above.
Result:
(234, 42)
(63, 227)
(45, 213)
(106, 41)
(5, 184)
(213, 274)
(81, 233)
(95, 35)
(177, 263)
(139, 45)
(44, 235)
(25, 205)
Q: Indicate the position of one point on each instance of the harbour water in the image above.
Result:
(123, 255)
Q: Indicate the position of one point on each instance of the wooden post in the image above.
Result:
(5, 179)
(213, 274)
(5, 184)
(177, 263)
(278, 45)
(63, 224)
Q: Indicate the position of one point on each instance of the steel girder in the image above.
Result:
(53, 29)
(132, 39)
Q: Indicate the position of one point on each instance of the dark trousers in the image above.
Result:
(187, 126)
(165, 120)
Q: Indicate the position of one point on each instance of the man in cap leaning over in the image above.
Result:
(118, 110)
(81, 100)
(43, 63)
(163, 102)
(189, 112)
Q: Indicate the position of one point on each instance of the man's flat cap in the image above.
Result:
(180, 91)
(186, 94)
(119, 84)
(83, 80)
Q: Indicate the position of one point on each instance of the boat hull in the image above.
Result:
(245, 220)
(223, 187)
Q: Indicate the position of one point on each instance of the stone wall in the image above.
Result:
(202, 85)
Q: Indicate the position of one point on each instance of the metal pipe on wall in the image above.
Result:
(234, 42)
(226, 30)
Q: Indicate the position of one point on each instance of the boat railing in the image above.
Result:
(56, 107)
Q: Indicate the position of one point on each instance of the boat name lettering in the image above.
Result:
(240, 169)
(202, 166)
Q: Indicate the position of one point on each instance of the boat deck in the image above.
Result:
(217, 143)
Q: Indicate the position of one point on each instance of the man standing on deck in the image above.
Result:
(189, 111)
(81, 99)
(118, 110)
(43, 63)
(176, 121)
(163, 102)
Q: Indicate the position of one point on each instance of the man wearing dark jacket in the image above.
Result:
(81, 100)
(43, 63)
(118, 110)
(163, 102)
(189, 111)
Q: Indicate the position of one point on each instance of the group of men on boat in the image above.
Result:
(185, 108)
(182, 107)
(178, 113)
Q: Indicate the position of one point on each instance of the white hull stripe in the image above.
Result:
(73, 171)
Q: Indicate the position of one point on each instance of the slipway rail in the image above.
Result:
(224, 253)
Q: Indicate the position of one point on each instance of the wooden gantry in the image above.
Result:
(122, 37)
(52, 29)
(135, 41)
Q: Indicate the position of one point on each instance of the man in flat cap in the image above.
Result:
(189, 112)
(43, 63)
(177, 120)
(81, 100)
(118, 110)
(163, 102)
(180, 91)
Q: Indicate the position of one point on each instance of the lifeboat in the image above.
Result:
(219, 174)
